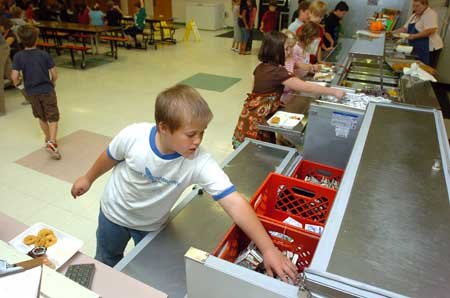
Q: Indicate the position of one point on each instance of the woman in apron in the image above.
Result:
(422, 28)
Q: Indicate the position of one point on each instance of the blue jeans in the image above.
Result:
(244, 34)
(112, 240)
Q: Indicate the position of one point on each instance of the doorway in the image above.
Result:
(162, 9)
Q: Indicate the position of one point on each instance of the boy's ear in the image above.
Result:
(163, 128)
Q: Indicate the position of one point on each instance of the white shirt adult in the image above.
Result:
(427, 20)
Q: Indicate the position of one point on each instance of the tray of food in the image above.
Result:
(58, 246)
(323, 76)
(285, 119)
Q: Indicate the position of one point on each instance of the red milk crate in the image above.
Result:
(304, 244)
(280, 197)
(319, 171)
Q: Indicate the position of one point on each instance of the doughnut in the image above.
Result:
(44, 233)
(41, 242)
(51, 239)
(30, 239)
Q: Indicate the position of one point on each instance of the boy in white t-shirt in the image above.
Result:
(152, 165)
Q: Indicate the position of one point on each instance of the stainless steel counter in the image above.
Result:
(365, 47)
(340, 52)
(417, 92)
(159, 259)
(388, 233)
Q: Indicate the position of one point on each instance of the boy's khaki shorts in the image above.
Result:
(44, 106)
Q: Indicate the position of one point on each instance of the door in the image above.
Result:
(162, 9)
(131, 7)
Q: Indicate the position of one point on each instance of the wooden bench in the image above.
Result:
(113, 40)
(56, 36)
(83, 38)
(76, 48)
(47, 46)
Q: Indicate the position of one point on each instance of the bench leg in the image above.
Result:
(72, 57)
(83, 59)
(111, 43)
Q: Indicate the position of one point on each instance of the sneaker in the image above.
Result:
(52, 148)
(25, 102)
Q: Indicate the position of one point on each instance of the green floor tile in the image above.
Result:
(210, 82)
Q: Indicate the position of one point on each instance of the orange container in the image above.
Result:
(304, 244)
(376, 26)
(280, 197)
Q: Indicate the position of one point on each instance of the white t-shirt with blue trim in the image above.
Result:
(145, 184)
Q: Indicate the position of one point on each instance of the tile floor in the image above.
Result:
(103, 100)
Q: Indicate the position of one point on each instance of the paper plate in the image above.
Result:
(59, 253)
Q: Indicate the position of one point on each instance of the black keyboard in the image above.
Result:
(82, 274)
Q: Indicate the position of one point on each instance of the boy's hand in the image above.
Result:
(276, 262)
(80, 187)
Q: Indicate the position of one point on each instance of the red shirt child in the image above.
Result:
(269, 20)
(83, 16)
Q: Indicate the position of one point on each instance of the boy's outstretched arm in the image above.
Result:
(102, 165)
(244, 216)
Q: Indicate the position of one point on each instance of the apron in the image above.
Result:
(421, 45)
(255, 111)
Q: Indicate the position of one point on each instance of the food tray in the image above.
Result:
(286, 120)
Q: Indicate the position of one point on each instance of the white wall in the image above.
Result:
(179, 10)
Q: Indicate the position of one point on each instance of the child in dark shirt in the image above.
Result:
(36, 67)
(332, 23)
(113, 15)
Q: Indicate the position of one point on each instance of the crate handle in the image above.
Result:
(324, 172)
(304, 192)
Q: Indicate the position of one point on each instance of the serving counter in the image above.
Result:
(387, 234)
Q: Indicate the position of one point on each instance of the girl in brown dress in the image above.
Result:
(270, 78)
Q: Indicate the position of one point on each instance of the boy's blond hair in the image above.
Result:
(181, 105)
(318, 8)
